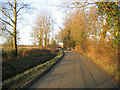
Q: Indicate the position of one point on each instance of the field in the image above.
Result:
(28, 58)
(23, 78)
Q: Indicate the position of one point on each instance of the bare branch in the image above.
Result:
(7, 31)
(60, 28)
(7, 15)
(22, 27)
(21, 8)
(11, 6)
(6, 22)
(76, 4)
(38, 36)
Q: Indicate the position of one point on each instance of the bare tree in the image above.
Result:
(10, 12)
(42, 28)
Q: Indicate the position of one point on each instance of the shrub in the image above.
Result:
(103, 54)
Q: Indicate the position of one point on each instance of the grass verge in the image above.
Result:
(23, 78)
(111, 69)
(31, 58)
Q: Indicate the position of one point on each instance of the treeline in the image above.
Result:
(12, 18)
(94, 31)
(92, 23)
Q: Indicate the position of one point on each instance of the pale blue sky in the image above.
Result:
(50, 5)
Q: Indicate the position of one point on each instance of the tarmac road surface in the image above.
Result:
(75, 71)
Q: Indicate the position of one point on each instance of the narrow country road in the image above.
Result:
(75, 71)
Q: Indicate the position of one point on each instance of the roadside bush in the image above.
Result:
(101, 53)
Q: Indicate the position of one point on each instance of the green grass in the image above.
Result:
(23, 78)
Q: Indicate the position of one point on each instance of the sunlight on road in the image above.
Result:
(74, 71)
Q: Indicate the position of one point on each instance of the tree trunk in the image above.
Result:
(14, 30)
(45, 39)
(40, 41)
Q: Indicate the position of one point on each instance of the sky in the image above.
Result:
(29, 18)
(49, 5)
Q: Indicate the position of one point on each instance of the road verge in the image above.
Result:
(27, 78)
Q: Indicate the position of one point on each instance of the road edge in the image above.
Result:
(30, 82)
